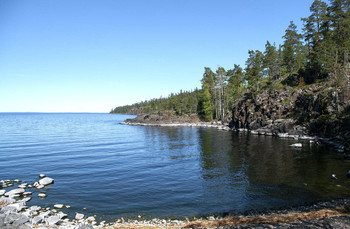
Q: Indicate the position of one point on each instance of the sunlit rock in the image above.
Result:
(42, 195)
(296, 145)
(14, 192)
(46, 181)
(58, 206)
(79, 216)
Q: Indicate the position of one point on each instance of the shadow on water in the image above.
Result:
(267, 171)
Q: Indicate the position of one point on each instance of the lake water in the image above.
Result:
(115, 170)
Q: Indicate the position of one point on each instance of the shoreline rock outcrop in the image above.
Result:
(313, 112)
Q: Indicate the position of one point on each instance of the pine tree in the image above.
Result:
(315, 34)
(293, 53)
(340, 23)
(271, 60)
(235, 82)
(254, 69)
(205, 103)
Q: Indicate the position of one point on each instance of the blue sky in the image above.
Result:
(93, 55)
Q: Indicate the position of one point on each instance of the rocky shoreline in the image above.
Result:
(283, 128)
(15, 214)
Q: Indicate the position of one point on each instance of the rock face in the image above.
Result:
(315, 110)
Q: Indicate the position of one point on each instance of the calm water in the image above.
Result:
(116, 170)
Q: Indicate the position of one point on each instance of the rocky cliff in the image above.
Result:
(316, 110)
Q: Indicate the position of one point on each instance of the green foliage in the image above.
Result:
(235, 82)
(271, 60)
(254, 69)
(185, 102)
(205, 104)
(293, 49)
(320, 53)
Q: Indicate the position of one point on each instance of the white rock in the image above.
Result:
(46, 181)
(27, 193)
(24, 185)
(53, 220)
(27, 199)
(79, 216)
(2, 192)
(16, 206)
(17, 181)
(62, 215)
(46, 214)
(42, 195)
(91, 218)
(42, 176)
(296, 145)
(7, 200)
(38, 219)
(17, 191)
(40, 186)
(34, 208)
(68, 206)
(283, 135)
(58, 206)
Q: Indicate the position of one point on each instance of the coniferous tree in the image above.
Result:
(205, 103)
(315, 34)
(340, 24)
(293, 55)
(254, 69)
(271, 60)
(235, 82)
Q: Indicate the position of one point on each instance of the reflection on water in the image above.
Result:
(268, 170)
(116, 170)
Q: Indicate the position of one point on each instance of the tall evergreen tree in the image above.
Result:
(235, 82)
(315, 34)
(271, 60)
(254, 69)
(293, 53)
(340, 23)
(205, 103)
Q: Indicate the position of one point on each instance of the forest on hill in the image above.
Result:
(316, 54)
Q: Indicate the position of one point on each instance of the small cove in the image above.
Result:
(115, 170)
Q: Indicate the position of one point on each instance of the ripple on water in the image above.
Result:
(117, 170)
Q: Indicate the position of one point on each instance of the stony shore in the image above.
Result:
(15, 213)
(283, 128)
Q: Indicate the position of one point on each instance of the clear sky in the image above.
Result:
(93, 55)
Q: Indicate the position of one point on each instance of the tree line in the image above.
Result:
(319, 52)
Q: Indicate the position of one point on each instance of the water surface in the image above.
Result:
(115, 170)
